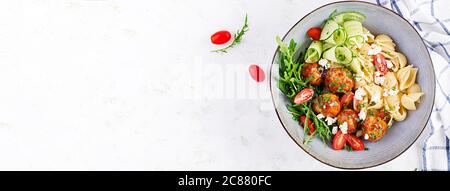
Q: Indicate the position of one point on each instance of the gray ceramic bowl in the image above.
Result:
(403, 134)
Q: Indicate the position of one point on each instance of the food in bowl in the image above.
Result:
(349, 86)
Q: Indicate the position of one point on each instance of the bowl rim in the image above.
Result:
(278, 114)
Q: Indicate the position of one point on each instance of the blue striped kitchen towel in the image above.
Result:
(432, 19)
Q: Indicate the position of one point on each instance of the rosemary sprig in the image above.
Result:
(237, 37)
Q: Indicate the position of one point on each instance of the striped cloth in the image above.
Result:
(432, 19)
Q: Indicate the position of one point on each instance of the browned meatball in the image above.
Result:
(349, 116)
(374, 127)
(310, 70)
(339, 80)
(327, 104)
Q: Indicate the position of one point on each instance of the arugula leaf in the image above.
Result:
(237, 37)
(291, 82)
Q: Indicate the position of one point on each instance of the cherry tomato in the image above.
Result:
(304, 96)
(314, 33)
(310, 124)
(354, 142)
(220, 37)
(380, 64)
(347, 99)
(257, 73)
(339, 140)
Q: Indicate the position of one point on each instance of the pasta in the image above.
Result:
(390, 81)
(406, 77)
(408, 102)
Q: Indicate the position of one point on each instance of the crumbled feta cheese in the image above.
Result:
(389, 64)
(320, 116)
(344, 127)
(330, 120)
(324, 63)
(378, 59)
(359, 94)
(366, 136)
(334, 130)
(376, 98)
(385, 92)
(379, 80)
(393, 92)
(377, 73)
(362, 115)
(374, 50)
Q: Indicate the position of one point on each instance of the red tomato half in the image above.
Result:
(257, 73)
(354, 142)
(220, 37)
(314, 33)
(339, 140)
(310, 124)
(304, 96)
(347, 99)
(380, 64)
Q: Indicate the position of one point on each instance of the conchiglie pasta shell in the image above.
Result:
(378, 105)
(415, 88)
(363, 51)
(374, 91)
(401, 58)
(392, 103)
(406, 77)
(390, 81)
(385, 43)
(400, 114)
(407, 102)
(370, 37)
(415, 96)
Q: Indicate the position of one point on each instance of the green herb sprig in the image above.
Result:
(237, 37)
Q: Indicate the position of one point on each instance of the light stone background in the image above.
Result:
(131, 85)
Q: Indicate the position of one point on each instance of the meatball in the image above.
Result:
(374, 127)
(349, 116)
(327, 104)
(381, 113)
(310, 70)
(339, 80)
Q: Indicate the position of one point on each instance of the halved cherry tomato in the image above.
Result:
(257, 73)
(380, 64)
(314, 33)
(347, 99)
(304, 96)
(339, 140)
(310, 124)
(354, 142)
(220, 37)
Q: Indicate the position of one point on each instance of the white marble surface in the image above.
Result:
(131, 85)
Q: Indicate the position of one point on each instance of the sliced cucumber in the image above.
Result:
(353, 28)
(314, 52)
(339, 54)
(349, 16)
(327, 46)
(343, 55)
(355, 41)
(330, 54)
(338, 37)
(328, 29)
